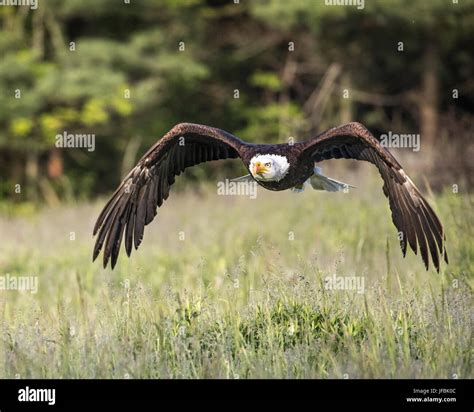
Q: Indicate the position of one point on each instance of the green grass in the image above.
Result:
(237, 298)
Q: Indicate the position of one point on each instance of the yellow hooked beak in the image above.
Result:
(259, 168)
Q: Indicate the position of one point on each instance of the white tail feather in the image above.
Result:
(320, 182)
(246, 178)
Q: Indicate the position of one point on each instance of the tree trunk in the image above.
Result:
(55, 164)
(346, 102)
(429, 103)
(31, 174)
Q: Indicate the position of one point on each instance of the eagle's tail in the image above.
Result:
(320, 182)
(246, 178)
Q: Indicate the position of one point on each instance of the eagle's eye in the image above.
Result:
(268, 164)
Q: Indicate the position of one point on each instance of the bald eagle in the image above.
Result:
(274, 167)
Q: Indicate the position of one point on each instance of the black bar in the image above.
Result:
(82, 393)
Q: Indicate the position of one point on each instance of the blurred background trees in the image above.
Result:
(265, 70)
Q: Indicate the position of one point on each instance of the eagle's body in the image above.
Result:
(300, 167)
(274, 167)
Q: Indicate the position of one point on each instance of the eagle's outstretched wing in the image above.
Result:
(411, 213)
(134, 203)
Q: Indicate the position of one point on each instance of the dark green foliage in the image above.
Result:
(227, 47)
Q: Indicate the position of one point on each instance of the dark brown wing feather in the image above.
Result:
(411, 213)
(134, 203)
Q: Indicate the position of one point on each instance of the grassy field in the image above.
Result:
(230, 287)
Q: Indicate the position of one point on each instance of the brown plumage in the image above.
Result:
(133, 205)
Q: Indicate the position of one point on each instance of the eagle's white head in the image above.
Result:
(269, 167)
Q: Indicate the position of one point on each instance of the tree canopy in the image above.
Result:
(267, 70)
